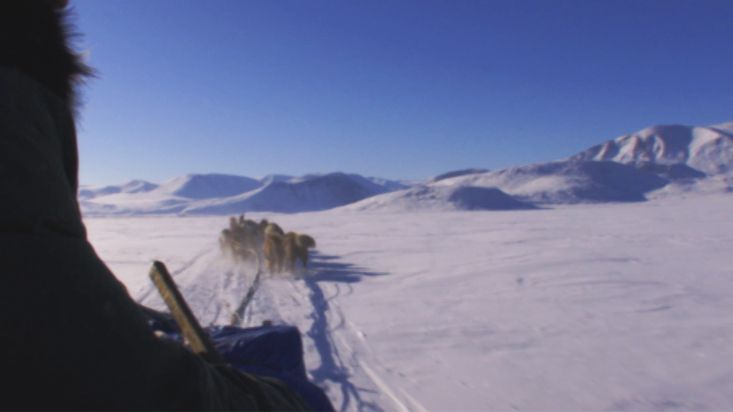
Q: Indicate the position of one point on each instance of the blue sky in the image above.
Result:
(396, 89)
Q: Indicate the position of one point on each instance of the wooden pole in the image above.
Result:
(192, 331)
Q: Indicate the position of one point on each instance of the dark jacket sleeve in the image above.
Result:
(72, 338)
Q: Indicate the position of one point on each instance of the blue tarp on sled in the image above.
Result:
(272, 351)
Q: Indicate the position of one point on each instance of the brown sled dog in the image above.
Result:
(242, 240)
(274, 252)
(295, 247)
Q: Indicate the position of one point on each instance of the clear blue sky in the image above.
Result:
(397, 89)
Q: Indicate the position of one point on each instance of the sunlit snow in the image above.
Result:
(623, 306)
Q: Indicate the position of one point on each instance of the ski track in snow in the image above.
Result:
(590, 307)
(350, 382)
(151, 288)
(213, 286)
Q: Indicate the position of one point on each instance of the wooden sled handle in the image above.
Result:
(192, 331)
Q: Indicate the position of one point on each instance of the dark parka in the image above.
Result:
(70, 335)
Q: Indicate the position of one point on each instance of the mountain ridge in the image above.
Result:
(658, 160)
(708, 149)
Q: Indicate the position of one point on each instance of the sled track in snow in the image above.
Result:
(345, 356)
(238, 315)
(233, 296)
(332, 367)
(186, 265)
(343, 361)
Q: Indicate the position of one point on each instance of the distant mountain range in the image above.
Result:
(656, 161)
(197, 194)
(309, 193)
(568, 181)
(135, 186)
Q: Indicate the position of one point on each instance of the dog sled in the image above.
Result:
(271, 351)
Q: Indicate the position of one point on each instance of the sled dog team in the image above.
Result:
(249, 241)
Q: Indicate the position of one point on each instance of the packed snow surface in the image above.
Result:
(623, 306)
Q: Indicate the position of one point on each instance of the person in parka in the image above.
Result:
(72, 338)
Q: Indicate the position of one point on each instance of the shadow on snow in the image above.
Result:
(325, 268)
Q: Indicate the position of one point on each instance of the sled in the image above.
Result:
(190, 328)
(274, 351)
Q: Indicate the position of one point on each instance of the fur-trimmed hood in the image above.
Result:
(39, 74)
(35, 39)
(38, 158)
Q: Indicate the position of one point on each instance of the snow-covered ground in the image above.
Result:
(585, 307)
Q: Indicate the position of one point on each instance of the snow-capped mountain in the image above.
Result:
(266, 180)
(134, 186)
(206, 186)
(168, 198)
(228, 194)
(657, 161)
(707, 149)
(457, 173)
(441, 198)
(389, 185)
(307, 193)
(561, 182)
(568, 181)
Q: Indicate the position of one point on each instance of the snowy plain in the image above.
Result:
(618, 306)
